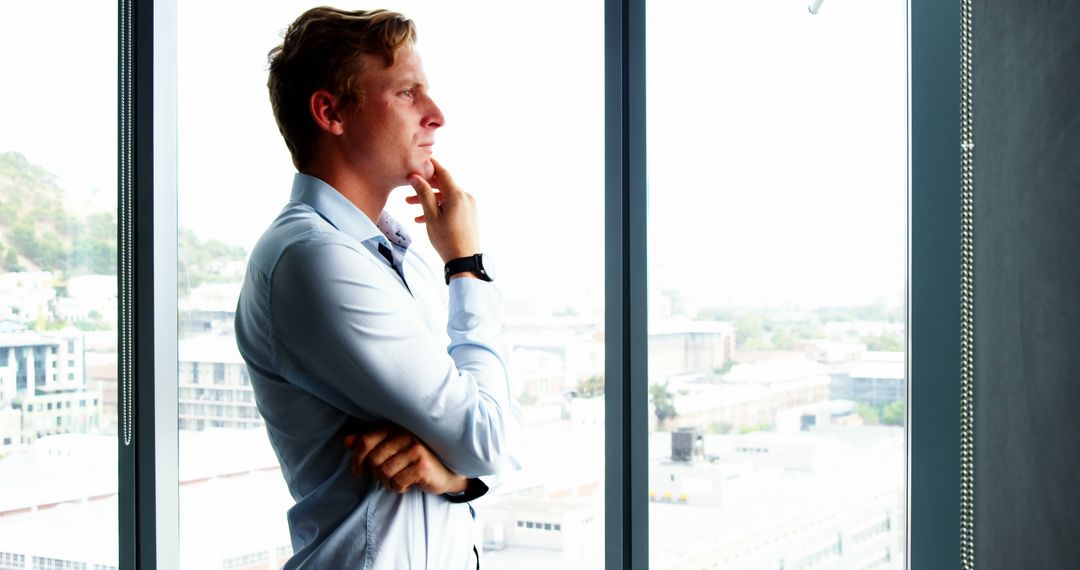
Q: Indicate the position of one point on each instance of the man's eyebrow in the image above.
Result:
(411, 81)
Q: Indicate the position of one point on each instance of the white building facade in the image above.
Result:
(43, 380)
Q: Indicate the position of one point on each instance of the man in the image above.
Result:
(383, 409)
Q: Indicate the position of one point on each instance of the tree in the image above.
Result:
(884, 342)
(783, 338)
(720, 427)
(893, 414)
(11, 261)
(728, 363)
(749, 331)
(591, 387)
(868, 413)
(756, 427)
(527, 398)
(663, 403)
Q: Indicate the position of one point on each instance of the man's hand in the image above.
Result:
(450, 214)
(400, 461)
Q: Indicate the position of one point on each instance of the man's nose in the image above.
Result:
(434, 117)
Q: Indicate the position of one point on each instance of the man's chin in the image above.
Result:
(427, 170)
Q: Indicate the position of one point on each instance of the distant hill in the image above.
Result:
(37, 233)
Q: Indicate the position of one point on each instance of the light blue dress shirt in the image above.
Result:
(335, 336)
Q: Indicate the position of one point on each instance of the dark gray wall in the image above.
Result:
(1027, 284)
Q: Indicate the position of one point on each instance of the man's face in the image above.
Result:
(392, 133)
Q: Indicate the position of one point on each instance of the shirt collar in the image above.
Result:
(343, 214)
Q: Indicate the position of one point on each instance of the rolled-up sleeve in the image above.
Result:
(343, 335)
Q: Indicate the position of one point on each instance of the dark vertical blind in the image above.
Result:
(1027, 284)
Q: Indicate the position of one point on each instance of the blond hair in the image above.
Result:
(322, 49)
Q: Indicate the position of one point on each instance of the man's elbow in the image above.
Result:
(484, 460)
(490, 450)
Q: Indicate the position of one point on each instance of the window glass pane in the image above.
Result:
(777, 207)
(523, 134)
(58, 286)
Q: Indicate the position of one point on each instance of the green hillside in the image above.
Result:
(38, 234)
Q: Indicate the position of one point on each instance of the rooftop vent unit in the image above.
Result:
(684, 443)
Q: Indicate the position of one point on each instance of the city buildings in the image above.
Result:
(26, 296)
(829, 497)
(876, 379)
(749, 396)
(684, 346)
(214, 387)
(42, 378)
(787, 495)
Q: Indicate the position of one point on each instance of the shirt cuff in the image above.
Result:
(471, 295)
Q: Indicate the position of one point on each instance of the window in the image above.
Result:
(20, 369)
(932, 86)
(553, 327)
(777, 234)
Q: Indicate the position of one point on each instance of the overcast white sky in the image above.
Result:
(776, 138)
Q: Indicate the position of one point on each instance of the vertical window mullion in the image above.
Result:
(147, 267)
(165, 229)
(125, 258)
(626, 312)
(934, 307)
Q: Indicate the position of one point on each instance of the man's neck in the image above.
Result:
(367, 197)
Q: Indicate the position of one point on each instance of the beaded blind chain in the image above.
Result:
(967, 294)
(126, 238)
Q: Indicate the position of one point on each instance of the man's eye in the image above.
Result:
(408, 92)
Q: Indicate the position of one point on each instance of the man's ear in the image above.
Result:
(325, 109)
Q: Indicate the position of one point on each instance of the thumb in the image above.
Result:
(426, 195)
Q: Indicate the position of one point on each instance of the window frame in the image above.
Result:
(147, 192)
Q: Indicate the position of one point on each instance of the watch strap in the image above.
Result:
(472, 263)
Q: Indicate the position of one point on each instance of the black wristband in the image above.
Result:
(473, 263)
(474, 490)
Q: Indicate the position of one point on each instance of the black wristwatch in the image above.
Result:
(473, 263)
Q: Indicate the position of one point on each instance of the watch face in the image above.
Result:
(485, 264)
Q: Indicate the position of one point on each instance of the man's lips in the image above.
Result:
(427, 146)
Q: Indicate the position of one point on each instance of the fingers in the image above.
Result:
(390, 447)
(394, 465)
(450, 216)
(442, 179)
(425, 196)
(406, 478)
(421, 219)
(364, 444)
(416, 200)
